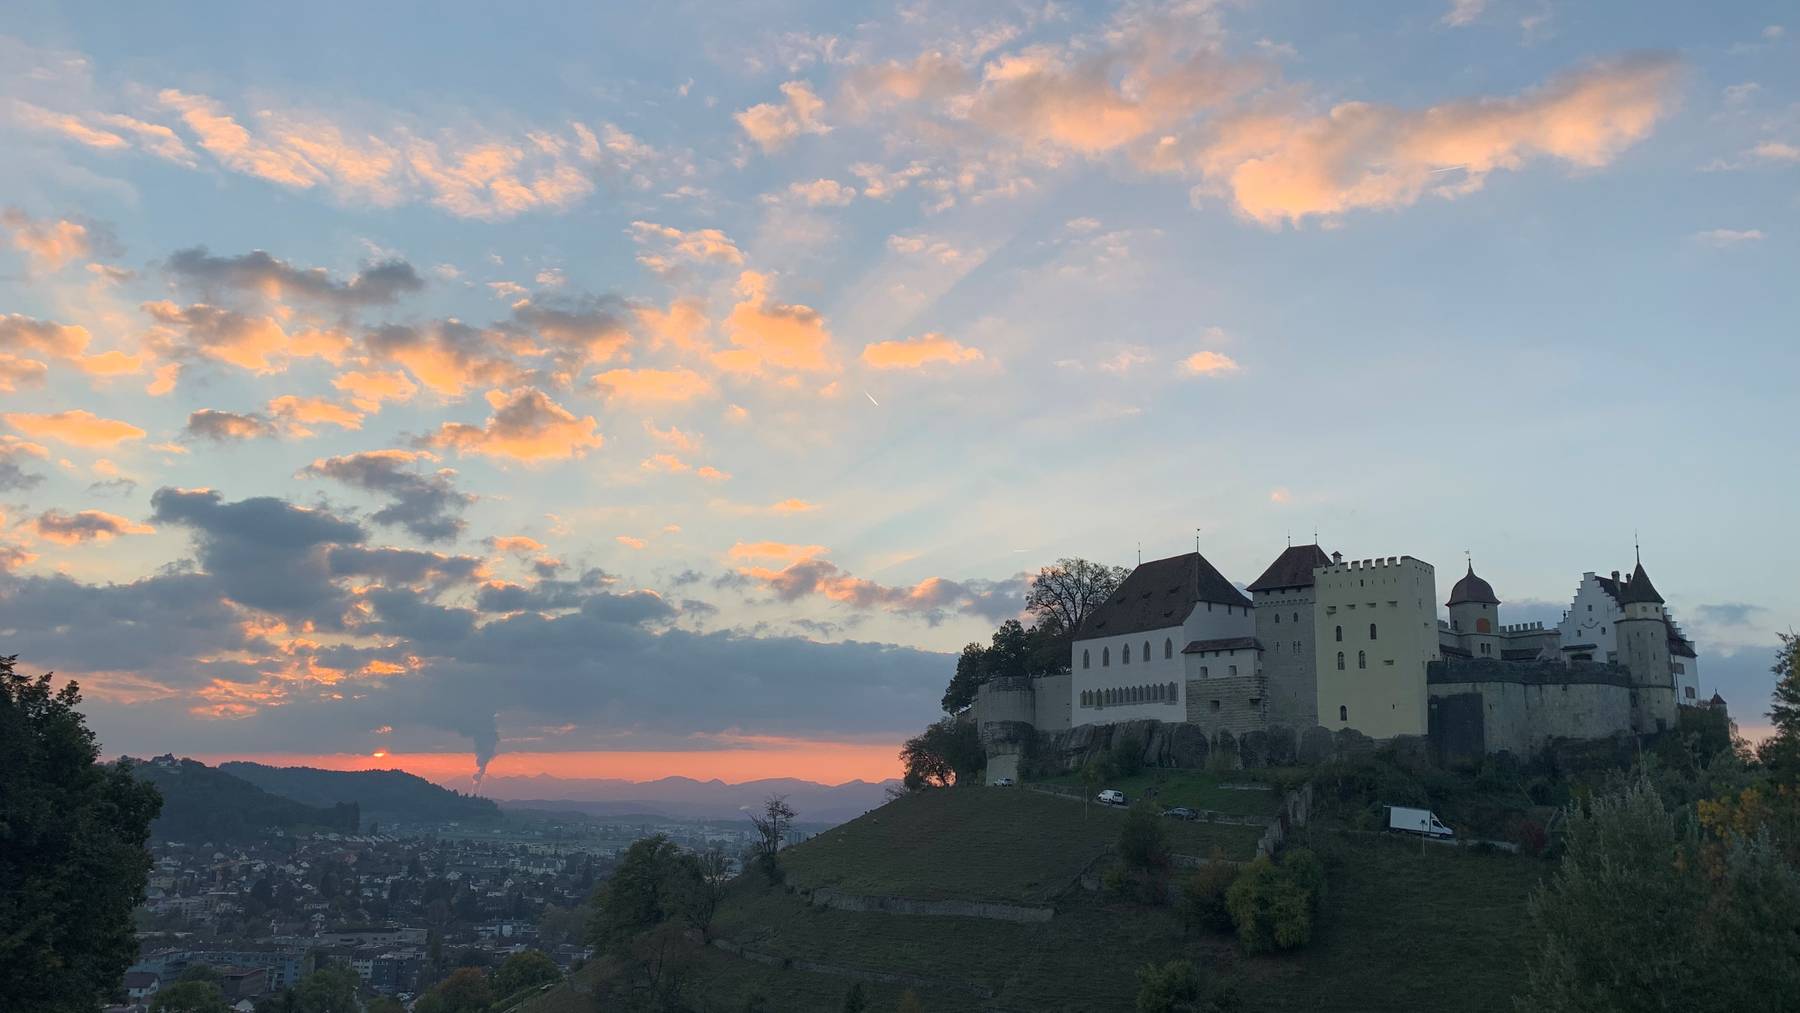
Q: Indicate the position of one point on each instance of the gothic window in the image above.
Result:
(1278, 619)
(1168, 648)
(1362, 659)
(1105, 657)
(1340, 634)
(1084, 659)
(1125, 655)
(1203, 674)
(1296, 617)
(1340, 661)
(1371, 631)
(1146, 650)
(1174, 692)
(1343, 713)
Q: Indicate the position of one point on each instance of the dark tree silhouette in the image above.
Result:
(73, 862)
(1068, 590)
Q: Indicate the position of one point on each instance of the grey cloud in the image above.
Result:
(403, 566)
(426, 505)
(578, 330)
(82, 526)
(1728, 613)
(265, 552)
(376, 284)
(13, 477)
(223, 426)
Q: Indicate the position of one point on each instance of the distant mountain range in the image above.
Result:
(686, 798)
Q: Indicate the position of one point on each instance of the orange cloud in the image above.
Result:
(50, 245)
(84, 526)
(793, 506)
(257, 344)
(368, 390)
(299, 412)
(679, 326)
(712, 474)
(448, 357)
(669, 248)
(790, 336)
(1209, 363)
(653, 384)
(772, 125)
(687, 443)
(630, 542)
(16, 372)
(914, 353)
(23, 333)
(1361, 155)
(664, 462)
(775, 550)
(77, 427)
(517, 544)
(110, 363)
(526, 426)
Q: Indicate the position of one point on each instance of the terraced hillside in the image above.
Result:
(1404, 926)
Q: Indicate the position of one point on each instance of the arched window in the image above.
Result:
(1340, 661)
(1278, 619)
(1371, 631)
(1340, 634)
(1343, 713)
(1174, 692)
(1168, 648)
(1362, 659)
(1146, 650)
(1125, 655)
(1084, 658)
(1296, 617)
(1105, 657)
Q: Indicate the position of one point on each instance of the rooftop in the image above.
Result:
(1160, 594)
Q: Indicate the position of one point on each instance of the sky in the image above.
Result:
(676, 387)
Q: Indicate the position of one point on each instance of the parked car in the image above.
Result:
(1417, 821)
(1112, 796)
(1003, 782)
(1181, 812)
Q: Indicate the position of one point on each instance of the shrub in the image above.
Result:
(1305, 868)
(1272, 905)
(1532, 837)
(1203, 896)
(1166, 988)
(1143, 840)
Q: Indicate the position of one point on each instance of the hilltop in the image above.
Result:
(205, 803)
(1402, 926)
(384, 796)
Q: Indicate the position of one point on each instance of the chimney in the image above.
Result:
(1615, 576)
(1337, 557)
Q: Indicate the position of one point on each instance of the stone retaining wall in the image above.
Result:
(992, 910)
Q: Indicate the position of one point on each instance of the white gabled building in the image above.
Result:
(1171, 620)
(1589, 631)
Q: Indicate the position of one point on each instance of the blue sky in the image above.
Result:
(796, 334)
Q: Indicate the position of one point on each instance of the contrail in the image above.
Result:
(871, 398)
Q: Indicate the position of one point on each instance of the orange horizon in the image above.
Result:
(828, 763)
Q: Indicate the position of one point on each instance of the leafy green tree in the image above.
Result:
(327, 990)
(1203, 895)
(1144, 840)
(1271, 904)
(1015, 651)
(464, 991)
(73, 862)
(1165, 988)
(525, 969)
(947, 753)
(1781, 751)
(654, 884)
(1127, 755)
(190, 997)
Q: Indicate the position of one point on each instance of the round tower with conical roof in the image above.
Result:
(1643, 638)
(1475, 615)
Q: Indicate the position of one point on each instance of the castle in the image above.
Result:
(1318, 641)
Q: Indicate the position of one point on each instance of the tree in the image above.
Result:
(1067, 592)
(1203, 895)
(947, 753)
(1014, 651)
(190, 997)
(653, 884)
(327, 990)
(465, 991)
(73, 861)
(1781, 751)
(525, 969)
(855, 1001)
(1273, 904)
(1143, 840)
(771, 829)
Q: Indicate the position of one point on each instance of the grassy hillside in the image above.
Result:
(981, 844)
(1404, 926)
(383, 795)
(202, 803)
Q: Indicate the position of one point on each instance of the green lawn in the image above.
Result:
(1196, 789)
(981, 843)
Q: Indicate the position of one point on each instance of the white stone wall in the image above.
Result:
(1592, 619)
(1106, 667)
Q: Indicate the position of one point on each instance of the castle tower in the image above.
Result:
(1284, 626)
(1475, 615)
(1643, 638)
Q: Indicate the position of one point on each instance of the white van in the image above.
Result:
(1112, 796)
(1417, 821)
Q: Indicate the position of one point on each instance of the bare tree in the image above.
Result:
(771, 829)
(1070, 590)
